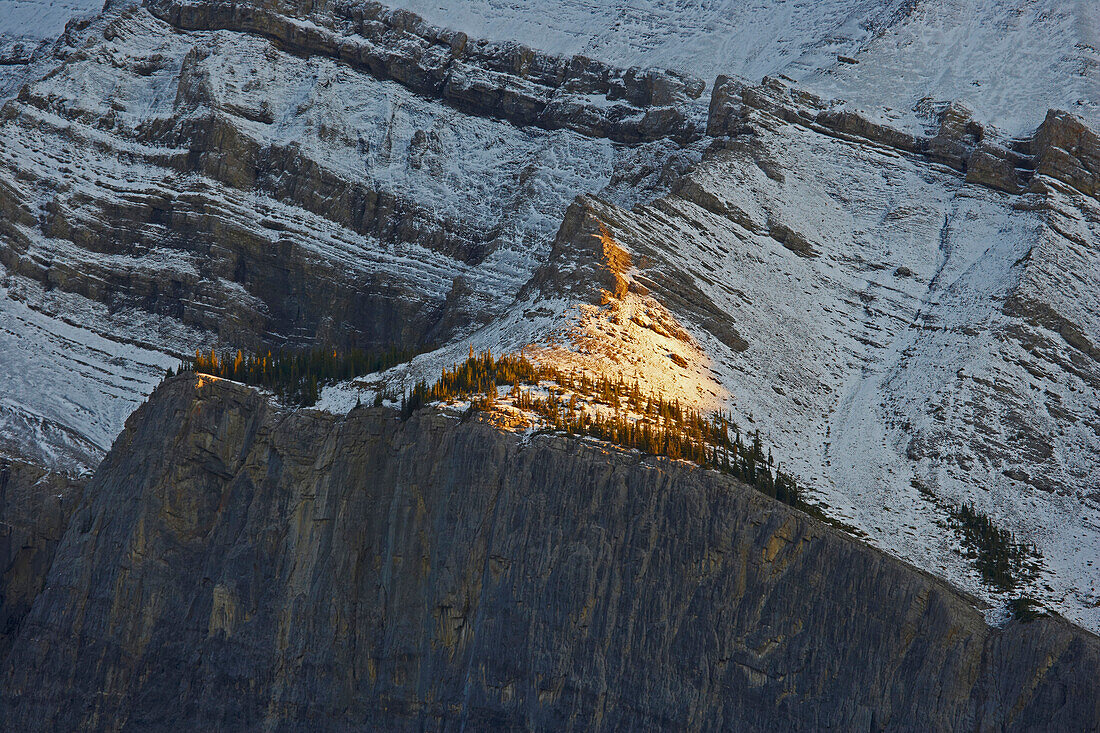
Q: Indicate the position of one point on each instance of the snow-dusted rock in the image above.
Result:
(504, 80)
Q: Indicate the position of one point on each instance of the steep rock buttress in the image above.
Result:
(238, 566)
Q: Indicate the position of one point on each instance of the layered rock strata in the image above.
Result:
(1063, 147)
(505, 80)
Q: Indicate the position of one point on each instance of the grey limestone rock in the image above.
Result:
(238, 566)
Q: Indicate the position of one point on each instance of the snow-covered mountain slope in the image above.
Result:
(29, 23)
(28, 28)
(908, 315)
(66, 388)
(1010, 60)
(752, 40)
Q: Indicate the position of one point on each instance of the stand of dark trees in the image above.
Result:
(1002, 561)
(295, 376)
(647, 423)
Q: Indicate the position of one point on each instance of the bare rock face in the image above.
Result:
(35, 507)
(964, 144)
(1067, 149)
(723, 117)
(235, 566)
(851, 123)
(958, 135)
(995, 166)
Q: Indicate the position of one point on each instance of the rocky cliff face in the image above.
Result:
(35, 506)
(235, 565)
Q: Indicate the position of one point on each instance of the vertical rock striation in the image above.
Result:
(35, 506)
(237, 566)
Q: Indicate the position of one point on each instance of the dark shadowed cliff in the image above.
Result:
(237, 566)
(35, 506)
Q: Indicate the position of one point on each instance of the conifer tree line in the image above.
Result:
(296, 376)
(1002, 561)
(647, 423)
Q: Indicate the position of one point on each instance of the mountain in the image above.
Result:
(866, 230)
(239, 566)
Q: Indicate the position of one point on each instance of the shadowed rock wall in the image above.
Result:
(236, 566)
(35, 506)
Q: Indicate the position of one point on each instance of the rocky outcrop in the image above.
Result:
(797, 106)
(996, 167)
(508, 81)
(1067, 149)
(847, 122)
(958, 136)
(586, 263)
(1063, 147)
(237, 566)
(964, 144)
(725, 112)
